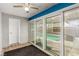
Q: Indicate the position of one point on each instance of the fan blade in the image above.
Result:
(17, 6)
(46, 4)
(35, 8)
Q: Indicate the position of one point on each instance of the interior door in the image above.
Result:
(13, 31)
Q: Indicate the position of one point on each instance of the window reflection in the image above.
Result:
(32, 31)
(53, 35)
(71, 32)
(39, 33)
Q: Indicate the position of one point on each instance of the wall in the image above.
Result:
(24, 31)
(0, 35)
(29, 32)
(5, 29)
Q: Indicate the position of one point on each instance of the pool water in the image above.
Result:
(53, 37)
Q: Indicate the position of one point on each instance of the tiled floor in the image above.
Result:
(26, 51)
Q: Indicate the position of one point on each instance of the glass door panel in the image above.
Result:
(39, 33)
(71, 32)
(32, 31)
(53, 34)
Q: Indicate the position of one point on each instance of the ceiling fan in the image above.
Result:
(26, 6)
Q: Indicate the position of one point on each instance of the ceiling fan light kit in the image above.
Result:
(26, 6)
(26, 9)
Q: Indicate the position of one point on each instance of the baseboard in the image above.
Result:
(15, 46)
(42, 49)
(1, 54)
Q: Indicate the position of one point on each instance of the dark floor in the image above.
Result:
(26, 51)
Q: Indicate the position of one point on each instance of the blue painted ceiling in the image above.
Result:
(51, 9)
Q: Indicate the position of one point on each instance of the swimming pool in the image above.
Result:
(53, 37)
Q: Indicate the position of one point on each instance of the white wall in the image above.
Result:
(29, 32)
(0, 35)
(23, 31)
(5, 29)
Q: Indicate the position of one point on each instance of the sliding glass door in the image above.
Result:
(39, 33)
(58, 42)
(53, 34)
(32, 31)
(71, 32)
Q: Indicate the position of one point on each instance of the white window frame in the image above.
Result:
(62, 26)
